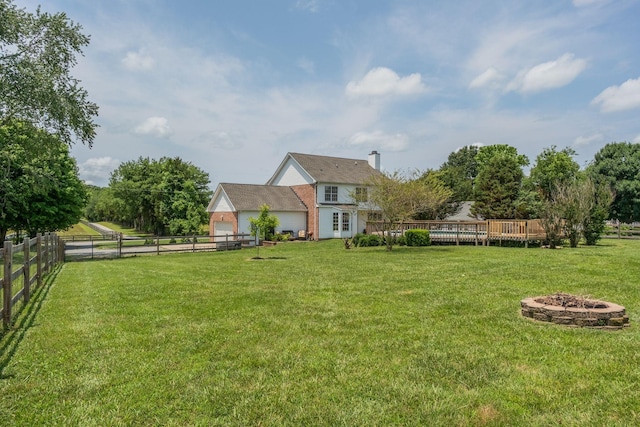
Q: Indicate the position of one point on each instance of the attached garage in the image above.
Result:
(222, 229)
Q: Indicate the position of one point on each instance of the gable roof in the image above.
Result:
(250, 197)
(463, 214)
(331, 169)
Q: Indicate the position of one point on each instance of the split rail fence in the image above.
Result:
(476, 232)
(30, 261)
(117, 246)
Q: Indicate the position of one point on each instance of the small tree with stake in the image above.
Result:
(264, 224)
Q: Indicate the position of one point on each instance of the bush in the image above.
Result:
(364, 240)
(417, 238)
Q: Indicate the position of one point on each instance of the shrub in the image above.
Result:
(417, 238)
(363, 240)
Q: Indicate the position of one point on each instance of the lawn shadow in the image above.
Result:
(25, 316)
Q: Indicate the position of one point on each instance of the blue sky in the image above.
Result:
(232, 86)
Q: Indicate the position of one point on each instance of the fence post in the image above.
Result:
(39, 258)
(158, 245)
(61, 249)
(193, 248)
(45, 253)
(119, 246)
(6, 283)
(26, 269)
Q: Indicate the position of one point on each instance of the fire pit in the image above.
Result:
(571, 310)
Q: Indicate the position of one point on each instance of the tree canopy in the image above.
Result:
(498, 187)
(459, 172)
(39, 185)
(553, 168)
(160, 196)
(618, 165)
(37, 53)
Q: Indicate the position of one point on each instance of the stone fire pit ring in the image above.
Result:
(569, 310)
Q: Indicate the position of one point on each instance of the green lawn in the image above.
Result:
(318, 335)
(78, 229)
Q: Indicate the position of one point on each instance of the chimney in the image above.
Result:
(374, 160)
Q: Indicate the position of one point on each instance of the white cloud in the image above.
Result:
(637, 140)
(220, 139)
(138, 61)
(383, 81)
(309, 5)
(548, 75)
(618, 98)
(156, 126)
(97, 169)
(489, 78)
(587, 140)
(380, 140)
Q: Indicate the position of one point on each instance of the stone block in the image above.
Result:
(541, 316)
(563, 320)
(616, 321)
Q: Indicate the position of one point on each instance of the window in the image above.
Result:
(336, 221)
(346, 224)
(374, 216)
(361, 195)
(330, 193)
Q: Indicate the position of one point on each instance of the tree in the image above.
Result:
(264, 224)
(459, 172)
(161, 195)
(39, 185)
(618, 165)
(593, 225)
(37, 53)
(399, 197)
(439, 195)
(488, 152)
(553, 168)
(575, 208)
(498, 187)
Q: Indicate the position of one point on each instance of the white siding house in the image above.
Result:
(323, 206)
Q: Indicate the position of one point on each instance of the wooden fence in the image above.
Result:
(30, 260)
(620, 230)
(106, 246)
(476, 232)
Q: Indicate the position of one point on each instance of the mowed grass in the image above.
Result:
(318, 335)
(78, 229)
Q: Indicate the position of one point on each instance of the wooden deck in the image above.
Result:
(476, 232)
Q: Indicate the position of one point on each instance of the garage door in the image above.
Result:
(221, 229)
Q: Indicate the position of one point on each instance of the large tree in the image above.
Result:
(459, 172)
(618, 165)
(553, 168)
(39, 185)
(498, 183)
(160, 196)
(37, 53)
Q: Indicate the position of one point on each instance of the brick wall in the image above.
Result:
(307, 193)
(223, 217)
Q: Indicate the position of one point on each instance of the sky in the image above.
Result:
(231, 86)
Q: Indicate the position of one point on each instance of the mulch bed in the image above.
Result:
(567, 300)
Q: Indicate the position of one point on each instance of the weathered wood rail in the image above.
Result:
(29, 260)
(100, 247)
(476, 232)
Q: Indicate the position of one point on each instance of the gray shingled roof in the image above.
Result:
(335, 169)
(250, 197)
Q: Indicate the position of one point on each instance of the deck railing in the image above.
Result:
(477, 232)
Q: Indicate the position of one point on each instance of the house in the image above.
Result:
(311, 195)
